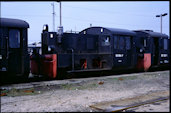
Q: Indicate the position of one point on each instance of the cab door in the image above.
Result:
(122, 51)
(105, 51)
(14, 51)
(156, 51)
(164, 51)
(3, 49)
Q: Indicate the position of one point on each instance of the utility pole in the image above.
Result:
(60, 28)
(60, 14)
(161, 15)
(53, 14)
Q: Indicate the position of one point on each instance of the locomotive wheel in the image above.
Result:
(25, 77)
(70, 75)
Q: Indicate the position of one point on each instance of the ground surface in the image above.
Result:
(76, 95)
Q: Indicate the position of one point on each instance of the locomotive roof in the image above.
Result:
(110, 30)
(121, 31)
(152, 34)
(8, 22)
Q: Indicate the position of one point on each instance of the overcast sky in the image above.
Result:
(132, 15)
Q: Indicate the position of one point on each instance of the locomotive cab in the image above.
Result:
(14, 58)
(161, 50)
(116, 46)
(143, 48)
(152, 49)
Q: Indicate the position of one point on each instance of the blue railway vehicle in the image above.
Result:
(14, 58)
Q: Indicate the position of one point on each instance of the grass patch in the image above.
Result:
(129, 78)
(121, 78)
(79, 87)
(18, 92)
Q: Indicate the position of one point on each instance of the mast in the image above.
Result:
(53, 14)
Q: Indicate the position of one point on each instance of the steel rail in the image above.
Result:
(121, 108)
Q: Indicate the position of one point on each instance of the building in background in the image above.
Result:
(36, 45)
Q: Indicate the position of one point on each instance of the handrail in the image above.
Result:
(72, 50)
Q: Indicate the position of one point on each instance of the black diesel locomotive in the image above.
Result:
(14, 58)
(100, 49)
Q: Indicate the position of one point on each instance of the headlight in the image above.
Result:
(141, 50)
(45, 27)
(49, 48)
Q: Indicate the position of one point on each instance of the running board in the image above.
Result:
(89, 70)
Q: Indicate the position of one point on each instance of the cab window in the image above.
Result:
(128, 43)
(115, 42)
(106, 41)
(143, 41)
(121, 42)
(165, 44)
(14, 38)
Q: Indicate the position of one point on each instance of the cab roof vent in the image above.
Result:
(149, 30)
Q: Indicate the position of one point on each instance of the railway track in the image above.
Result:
(39, 78)
(127, 103)
(41, 82)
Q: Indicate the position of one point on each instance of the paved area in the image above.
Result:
(76, 95)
